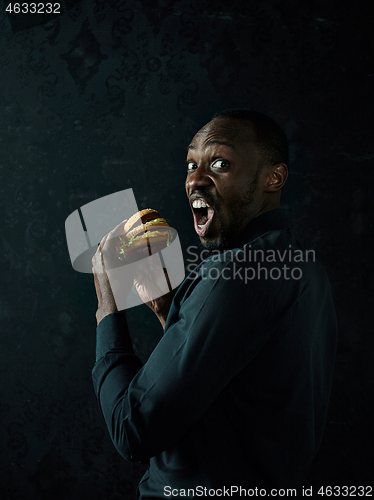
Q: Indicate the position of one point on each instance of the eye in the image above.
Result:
(191, 165)
(220, 164)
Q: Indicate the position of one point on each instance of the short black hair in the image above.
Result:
(271, 140)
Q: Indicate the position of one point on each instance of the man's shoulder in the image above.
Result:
(267, 266)
(272, 266)
(262, 280)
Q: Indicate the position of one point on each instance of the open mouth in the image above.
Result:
(203, 215)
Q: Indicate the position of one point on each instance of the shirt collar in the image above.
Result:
(269, 221)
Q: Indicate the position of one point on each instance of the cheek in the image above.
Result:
(228, 195)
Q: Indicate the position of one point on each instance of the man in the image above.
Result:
(234, 397)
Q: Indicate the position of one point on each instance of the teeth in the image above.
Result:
(200, 204)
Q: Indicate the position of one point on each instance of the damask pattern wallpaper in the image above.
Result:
(106, 96)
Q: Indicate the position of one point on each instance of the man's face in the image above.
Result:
(223, 173)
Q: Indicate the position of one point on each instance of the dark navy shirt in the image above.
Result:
(236, 392)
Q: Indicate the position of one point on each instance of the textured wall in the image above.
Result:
(106, 97)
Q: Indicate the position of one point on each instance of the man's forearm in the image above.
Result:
(116, 366)
(112, 333)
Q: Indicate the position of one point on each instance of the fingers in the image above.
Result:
(97, 258)
(107, 243)
(117, 231)
(155, 270)
(97, 287)
(105, 255)
(112, 245)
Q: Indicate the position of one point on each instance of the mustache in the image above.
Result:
(211, 198)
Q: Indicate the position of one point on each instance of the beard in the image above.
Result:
(228, 233)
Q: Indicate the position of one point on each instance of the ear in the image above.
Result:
(275, 178)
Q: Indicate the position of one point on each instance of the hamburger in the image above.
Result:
(145, 233)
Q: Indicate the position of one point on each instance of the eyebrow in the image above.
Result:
(213, 142)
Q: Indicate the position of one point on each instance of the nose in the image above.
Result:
(197, 179)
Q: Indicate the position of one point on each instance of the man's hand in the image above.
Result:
(104, 256)
(149, 279)
(106, 303)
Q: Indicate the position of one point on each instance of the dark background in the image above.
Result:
(107, 96)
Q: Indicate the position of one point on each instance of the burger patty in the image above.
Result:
(142, 226)
(151, 234)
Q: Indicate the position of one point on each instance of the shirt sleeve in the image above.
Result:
(215, 333)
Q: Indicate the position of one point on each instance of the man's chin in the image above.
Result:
(218, 238)
(214, 244)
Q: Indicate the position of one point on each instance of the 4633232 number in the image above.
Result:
(345, 491)
(33, 8)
